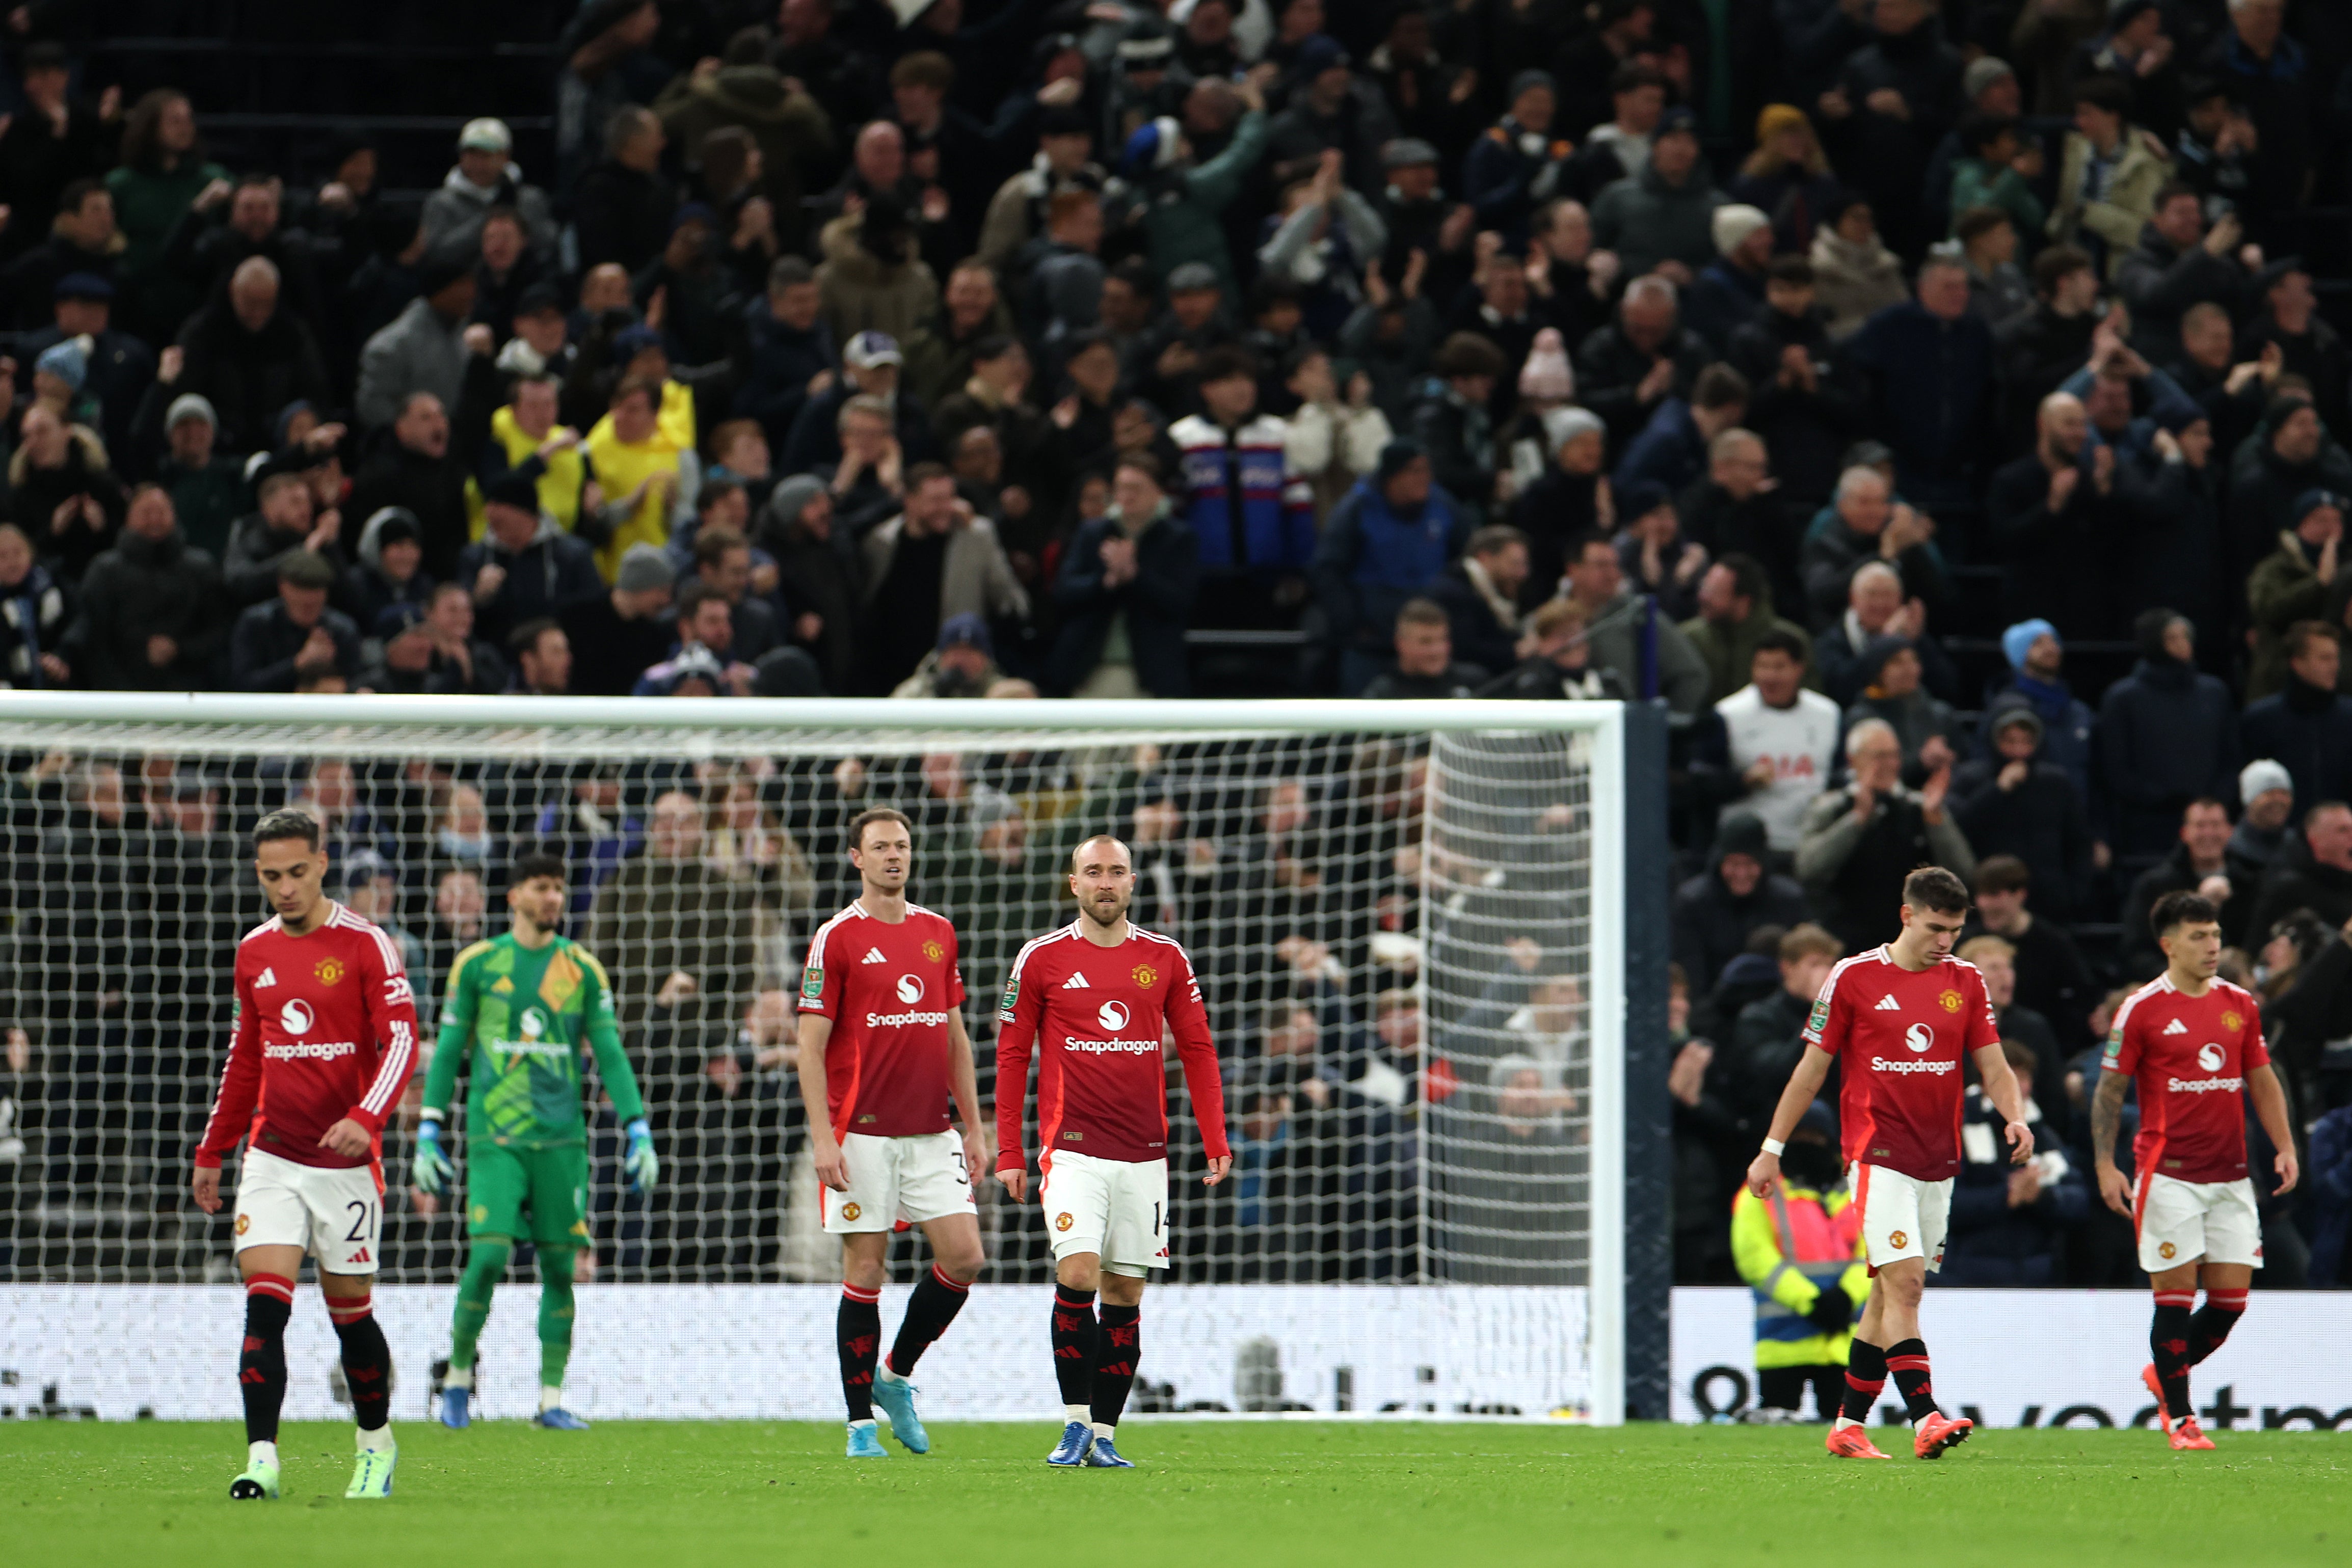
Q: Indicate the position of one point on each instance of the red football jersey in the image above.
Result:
(326, 1028)
(2191, 1056)
(888, 989)
(1900, 1038)
(1097, 1017)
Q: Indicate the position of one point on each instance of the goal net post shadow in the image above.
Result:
(1432, 934)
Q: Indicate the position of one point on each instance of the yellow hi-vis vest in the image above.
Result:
(1790, 1248)
(559, 488)
(622, 467)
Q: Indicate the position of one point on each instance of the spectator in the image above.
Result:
(1992, 171)
(2292, 587)
(418, 470)
(2050, 513)
(1424, 666)
(2200, 864)
(616, 637)
(1859, 842)
(1787, 179)
(436, 653)
(422, 351)
(2308, 346)
(962, 664)
(1626, 369)
(1018, 214)
(789, 359)
(1781, 740)
(676, 933)
(1868, 525)
(389, 575)
(248, 357)
(523, 568)
(116, 368)
(1479, 591)
(704, 663)
(151, 613)
(208, 488)
(1715, 912)
(1931, 361)
(2272, 76)
(2179, 263)
(1180, 204)
(60, 486)
(932, 561)
(2035, 658)
(1735, 606)
(1125, 593)
(2051, 977)
(871, 363)
(283, 642)
(2111, 172)
(1332, 444)
(751, 117)
(723, 561)
(1672, 450)
(1730, 293)
(2010, 1223)
(1391, 535)
(1855, 274)
(942, 351)
(1331, 111)
(2168, 734)
(527, 443)
(163, 170)
(1899, 94)
(1662, 220)
(2306, 724)
(2016, 803)
(259, 543)
(2267, 792)
(2292, 456)
(540, 656)
(1614, 619)
(623, 206)
(1559, 665)
(1768, 1035)
(1997, 291)
(1806, 399)
(1663, 566)
(485, 178)
(1568, 502)
(817, 576)
(1518, 164)
(1891, 691)
(1455, 428)
(1253, 519)
(2323, 883)
(33, 618)
(1618, 147)
(643, 468)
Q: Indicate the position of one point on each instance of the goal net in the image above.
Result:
(1407, 921)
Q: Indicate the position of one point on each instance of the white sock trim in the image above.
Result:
(1845, 1421)
(1106, 1428)
(551, 1397)
(867, 1422)
(261, 1453)
(1083, 1415)
(376, 1442)
(882, 1373)
(459, 1377)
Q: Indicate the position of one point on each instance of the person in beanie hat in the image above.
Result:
(2036, 657)
(1922, 722)
(2306, 725)
(2015, 801)
(423, 349)
(390, 571)
(2291, 585)
(962, 664)
(1665, 214)
(1519, 163)
(1715, 912)
(207, 487)
(1730, 293)
(2167, 735)
(618, 635)
(485, 177)
(2266, 825)
(1180, 204)
(524, 568)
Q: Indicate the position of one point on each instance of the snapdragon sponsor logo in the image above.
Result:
(309, 1049)
(2204, 1085)
(1889, 1064)
(1114, 1047)
(549, 1048)
(900, 1021)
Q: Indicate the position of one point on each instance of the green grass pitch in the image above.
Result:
(668, 1495)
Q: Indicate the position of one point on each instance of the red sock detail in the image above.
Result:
(855, 1294)
(2228, 1301)
(949, 1282)
(1872, 1388)
(276, 1285)
(1904, 1364)
(2176, 1298)
(350, 1309)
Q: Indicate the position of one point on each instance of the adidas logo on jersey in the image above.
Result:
(2176, 1026)
(874, 956)
(267, 978)
(1887, 1005)
(1076, 983)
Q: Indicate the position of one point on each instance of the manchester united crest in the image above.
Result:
(934, 951)
(244, 1223)
(1900, 1239)
(2233, 1022)
(2166, 1250)
(850, 1211)
(1144, 975)
(1949, 1001)
(330, 971)
(1064, 1220)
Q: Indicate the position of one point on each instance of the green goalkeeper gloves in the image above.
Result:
(643, 1166)
(428, 1167)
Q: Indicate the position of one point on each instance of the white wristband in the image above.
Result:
(1773, 1146)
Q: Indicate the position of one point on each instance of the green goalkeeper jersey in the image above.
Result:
(517, 1017)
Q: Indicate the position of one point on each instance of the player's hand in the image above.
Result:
(642, 1165)
(2289, 1172)
(348, 1138)
(205, 1188)
(2115, 1189)
(1763, 1173)
(2020, 1142)
(975, 1150)
(832, 1167)
(1217, 1169)
(1833, 1310)
(1016, 1182)
(428, 1167)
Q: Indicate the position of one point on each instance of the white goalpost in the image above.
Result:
(1428, 982)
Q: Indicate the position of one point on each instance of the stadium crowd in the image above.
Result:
(1932, 405)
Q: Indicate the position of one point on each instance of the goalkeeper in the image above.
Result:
(517, 1010)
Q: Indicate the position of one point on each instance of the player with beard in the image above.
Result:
(1094, 1000)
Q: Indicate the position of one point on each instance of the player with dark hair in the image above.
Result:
(1900, 1019)
(884, 1050)
(325, 1038)
(1094, 1000)
(519, 1009)
(2193, 1043)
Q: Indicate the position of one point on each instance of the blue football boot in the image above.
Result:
(457, 1408)
(1104, 1455)
(897, 1397)
(864, 1444)
(1078, 1441)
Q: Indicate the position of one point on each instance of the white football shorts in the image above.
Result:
(336, 1215)
(2186, 1221)
(914, 1178)
(1902, 1217)
(1115, 1208)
